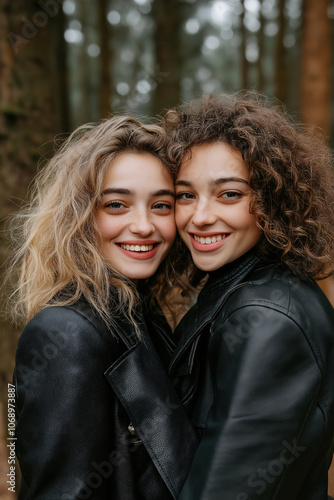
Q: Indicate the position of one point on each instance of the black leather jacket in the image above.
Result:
(78, 387)
(255, 369)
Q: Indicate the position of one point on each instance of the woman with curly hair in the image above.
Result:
(96, 413)
(255, 362)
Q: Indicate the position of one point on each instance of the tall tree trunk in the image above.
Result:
(28, 120)
(105, 58)
(280, 61)
(166, 72)
(244, 61)
(61, 78)
(28, 117)
(260, 61)
(316, 52)
(82, 77)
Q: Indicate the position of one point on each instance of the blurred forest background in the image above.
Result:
(63, 63)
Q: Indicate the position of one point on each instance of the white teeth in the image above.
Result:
(209, 240)
(137, 248)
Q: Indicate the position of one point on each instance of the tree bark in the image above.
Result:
(260, 62)
(244, 61)
(61, 78)
(316, 54)
(28, 119)
(280, 61)
(82, 78)
(105, 59)
(166, 72)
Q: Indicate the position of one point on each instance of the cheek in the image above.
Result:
(250, 222)
(107, 227)
(166, 227)
(249, 229)
(181, 216)
(170, 229)
(239, 217)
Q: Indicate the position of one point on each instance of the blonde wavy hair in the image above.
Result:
(57, 258)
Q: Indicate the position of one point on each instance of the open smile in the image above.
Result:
(139, 250)
(208, 243)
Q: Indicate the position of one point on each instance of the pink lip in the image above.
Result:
(140, 255)
(207, 247)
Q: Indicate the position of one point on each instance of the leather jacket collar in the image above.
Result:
(227, 279)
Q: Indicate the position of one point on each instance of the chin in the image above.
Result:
(206, 266)
(139, 275)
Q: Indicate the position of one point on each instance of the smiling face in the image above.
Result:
(135, 216)
(212, 206)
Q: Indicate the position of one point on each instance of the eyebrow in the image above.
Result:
(223, 180)
(216, 182)
(117, 191)
(129, 192)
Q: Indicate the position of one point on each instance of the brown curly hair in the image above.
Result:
(290, 168)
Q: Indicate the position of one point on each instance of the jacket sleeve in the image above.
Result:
(266, 381)
(64, 408)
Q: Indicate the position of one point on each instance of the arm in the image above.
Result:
(64, 407)
(266, 381)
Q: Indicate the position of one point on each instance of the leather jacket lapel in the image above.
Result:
(155, 411)
(210, 300)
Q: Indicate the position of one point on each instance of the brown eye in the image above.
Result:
(231, 195)
(184, 196)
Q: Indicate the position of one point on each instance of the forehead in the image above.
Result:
(130, 167)
(208, 161)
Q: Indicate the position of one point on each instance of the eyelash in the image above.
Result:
(184, 196)
(118, 206)
(235, 194)
(165, 206)
(111, 204)
(226, 195)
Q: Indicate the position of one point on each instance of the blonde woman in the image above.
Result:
(96, 415)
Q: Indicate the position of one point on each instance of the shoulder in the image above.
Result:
(276, 288)
(74, 329)
(273, 304)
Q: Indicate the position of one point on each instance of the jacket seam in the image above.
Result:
(314, 349)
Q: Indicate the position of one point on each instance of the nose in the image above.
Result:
(203, 214)
(141, 224)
